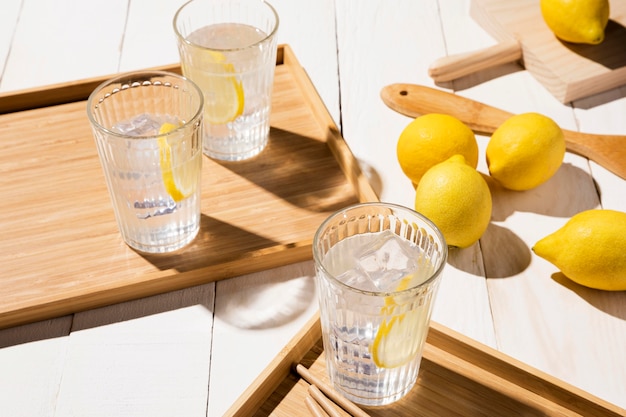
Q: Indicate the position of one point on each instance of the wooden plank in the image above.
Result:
(257, 214)
(8, 23)
(149, 357)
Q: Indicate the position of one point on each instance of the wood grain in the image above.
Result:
(65, 253)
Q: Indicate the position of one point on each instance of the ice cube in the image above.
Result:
(144, 124)
(357, 279)
(387, 260)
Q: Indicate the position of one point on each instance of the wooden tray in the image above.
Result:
(458, 377)
(61, 251)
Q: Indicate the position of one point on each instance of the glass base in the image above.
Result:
(162, 247)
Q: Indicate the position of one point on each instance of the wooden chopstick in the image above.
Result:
(314, 407)
(333, 395)
(323, 401)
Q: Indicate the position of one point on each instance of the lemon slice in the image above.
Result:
(224, 95)
(400, 337)
(179, 179)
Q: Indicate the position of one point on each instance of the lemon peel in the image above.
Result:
(178, 183)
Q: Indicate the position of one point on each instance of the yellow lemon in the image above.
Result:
(577, 21)
(431, 139)
(179, 173)
(223, 91)
(457, 199)
(396, 343)
(397, 340)
(525, 151)
(590, 249)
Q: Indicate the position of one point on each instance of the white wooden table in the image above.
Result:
(193, 352)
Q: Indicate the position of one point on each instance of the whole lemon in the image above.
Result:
(577, 21)
(590, 249)
(431, 139)
(525, 151)
(457, 199)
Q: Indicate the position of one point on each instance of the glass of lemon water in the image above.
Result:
(378, 267)
(148, 130)
(228, 48)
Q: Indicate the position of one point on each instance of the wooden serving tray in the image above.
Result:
(458, 377)
(61, 251)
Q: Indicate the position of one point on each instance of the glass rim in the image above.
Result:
(183, 39)
(136, 79)
(317, 255)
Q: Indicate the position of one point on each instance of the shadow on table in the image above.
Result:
(602, 300)
(267, 299)
(570, 191)
(611, 53)
(199, 297)
(505, 254)
(480, 77)
(43, 330)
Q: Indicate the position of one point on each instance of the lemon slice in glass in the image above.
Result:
(179, 178)
(399, 338)
(223, 91)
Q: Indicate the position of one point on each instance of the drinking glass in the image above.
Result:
(228, 48)
(378, 267)
(148, 128)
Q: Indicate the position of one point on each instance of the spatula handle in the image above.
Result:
(456, 66)
(414, 100)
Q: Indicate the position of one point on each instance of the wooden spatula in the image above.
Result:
(414, 100)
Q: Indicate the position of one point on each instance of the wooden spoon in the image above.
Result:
(414, 100)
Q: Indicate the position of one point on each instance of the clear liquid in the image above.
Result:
(351, 320)
(148, 217)
(253, 60)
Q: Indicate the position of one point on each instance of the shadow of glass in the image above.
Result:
(299, 170)
(609, 302)
(212, 246)
(373, 177)
(267, 299)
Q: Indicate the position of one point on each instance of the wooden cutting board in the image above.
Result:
(569, 71)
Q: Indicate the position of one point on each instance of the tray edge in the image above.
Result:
(444, 347)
